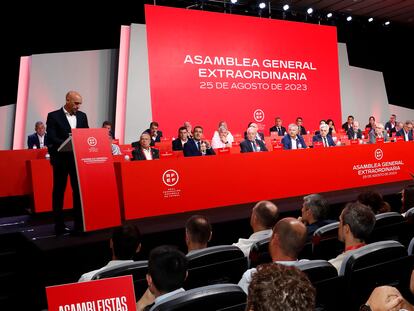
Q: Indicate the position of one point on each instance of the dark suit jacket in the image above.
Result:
(318, 138)
(157, 139)
(401, 133)
(287, 144)
(388, 127)
(246, 146)
(346, 127)
(58, 129)
(33, 140)
(176, 144)
(138, 154)
(279, 133)
(191, 149)
(302, 131)
(351, 133)
(260, 134)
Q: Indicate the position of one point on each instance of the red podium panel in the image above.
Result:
(96, 176)
(175, 186)
(42, 185)
(107, 294)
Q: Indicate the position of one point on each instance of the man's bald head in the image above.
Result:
(266, 214)
(291, 234)
(73, 102)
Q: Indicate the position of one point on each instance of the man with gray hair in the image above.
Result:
(39, 138)
(293, 140)
(406, 131)
(323, 136)
(251, 143)
(354, 132)
(314, 211)
(263, 218)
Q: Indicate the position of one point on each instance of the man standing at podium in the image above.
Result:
(59, 125)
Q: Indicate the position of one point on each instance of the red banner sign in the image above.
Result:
(96, 176)
(114, 294)
(189, 184)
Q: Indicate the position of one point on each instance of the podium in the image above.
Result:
(96, 177)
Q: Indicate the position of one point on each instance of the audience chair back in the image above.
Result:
(376, 264)
(388, 226)
(213, 297)
(409, 217)
(259, 253)
(325, 243)
(215, 265)
(411, 247)
(138, 270)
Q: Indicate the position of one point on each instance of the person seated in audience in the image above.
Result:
(189, 128)
(259, 135)
(287, 241)
(356, 223)
(144, 150)
(398, 127)
(277, 287)
(375, 201)
(262, 219)
(323, 136)
(377, 132)
(278, 128)
(222, 138)
(314, 211)
(406, 131)
(252, 143)
(178, 143)
(332, 129)
(348, 124)
(407, 198)
(154, 133)
(114, 147)
(108, 125)
(301, 128)
(167, 271)
(196, 147)
(317, 132)
(371, 123)
(198, 233)
(386, 298)
(293, 140)
(125, 244)
(38, 139)
(391, 124)
(354, 132)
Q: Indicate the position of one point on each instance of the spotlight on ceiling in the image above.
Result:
(349, 18)
(387, 23)
(329, 15)
(262, 5)
(370, 20)
(309, 11)
(286, 7)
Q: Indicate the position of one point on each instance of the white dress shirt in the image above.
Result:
(294, 144)
(217, 143)
(147, 153)
(113, 263)
(246, 244)
(41, 140)
(71, 118)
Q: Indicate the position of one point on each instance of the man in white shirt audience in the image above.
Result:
(167, 271)
(288, 239)
(356, 223)
(197, 233)
(125, 243)
(144, 150)
(39, 138)
(263, 218)
(222, 138)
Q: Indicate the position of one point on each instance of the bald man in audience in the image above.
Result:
(198, 233)
(288, 239)
(263, 218)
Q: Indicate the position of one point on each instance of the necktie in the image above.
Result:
(325, 143)
(254, 146)
(298, 144)
(198, 145)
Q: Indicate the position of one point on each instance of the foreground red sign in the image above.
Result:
(189, 184)
(114, 294)
(96, 176)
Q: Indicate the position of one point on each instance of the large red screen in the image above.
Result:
(206, 67)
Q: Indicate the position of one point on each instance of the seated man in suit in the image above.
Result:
(144, 150)
(293, 140)
(377, 132)
(39, 138)
(278, 128)
(252, 144)
(390, 125)
(354, 132)
(323, 136)
(167, 271)
(197, 233)
(348, 124)
(406, 131)
(196, 147)
(259, 136)
(154, 133)
(301, 128)
(124, 244)
(178, 144)
(108, 125)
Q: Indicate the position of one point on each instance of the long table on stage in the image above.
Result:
(176, 185)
